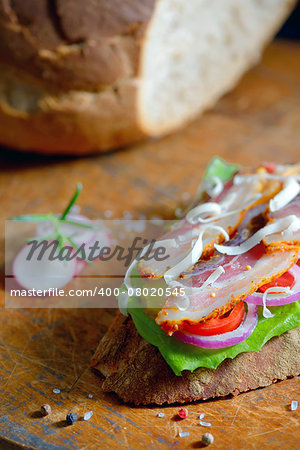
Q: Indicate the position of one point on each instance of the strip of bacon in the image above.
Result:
(248, 261)
(242, 276)
(236, 200)
(289, 238)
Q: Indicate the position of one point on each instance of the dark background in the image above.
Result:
(291, 28)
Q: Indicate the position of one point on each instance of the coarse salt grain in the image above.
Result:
(184, 433)
(139, 226)
(186, 196)
(294, 405)
(45, 409)
(205, 424)
(161, 414)
(156, 219)
(88, 415)
(107, 213)
(56, 391)
(128, 226)
(75, 209)
(127, 215)
(207, 439)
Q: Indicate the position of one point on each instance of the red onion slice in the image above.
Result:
(277, 299)
(225, 339)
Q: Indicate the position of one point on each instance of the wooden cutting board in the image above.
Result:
(45, 349)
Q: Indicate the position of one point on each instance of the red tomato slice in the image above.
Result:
(285, 280)
(227, 322)
(270, 167)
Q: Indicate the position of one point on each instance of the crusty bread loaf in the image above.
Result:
(78, 76)
(137, 373)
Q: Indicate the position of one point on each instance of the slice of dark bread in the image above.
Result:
(137, 373)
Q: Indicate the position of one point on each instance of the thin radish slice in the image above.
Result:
(225, 339)
(104, 240)
(79, 235)
(104, 237)
(80, 265)
(277, 299)
(43, 274)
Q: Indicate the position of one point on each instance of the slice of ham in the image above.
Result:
(234, 202)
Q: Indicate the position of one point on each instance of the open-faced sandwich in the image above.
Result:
(226, 314)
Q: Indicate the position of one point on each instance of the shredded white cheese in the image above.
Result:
(211, 208)
(271, 290)
(185, 303)
(123, 296)
(282, 290)
(288, 223)
(241, 179)
(217, 211)
(290, 190)
(214, 186)
(193, 256)
(266, 312)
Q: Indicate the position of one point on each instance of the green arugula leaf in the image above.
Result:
(56, 222)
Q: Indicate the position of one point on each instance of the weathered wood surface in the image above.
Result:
(43, 349)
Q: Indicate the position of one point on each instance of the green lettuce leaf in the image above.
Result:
(181, 356)
(218, 167)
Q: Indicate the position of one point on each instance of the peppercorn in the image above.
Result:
(207, 439)
(71, 418)
(45, 409)
(183, 413)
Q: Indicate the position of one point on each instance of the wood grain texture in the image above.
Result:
(43, 349)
